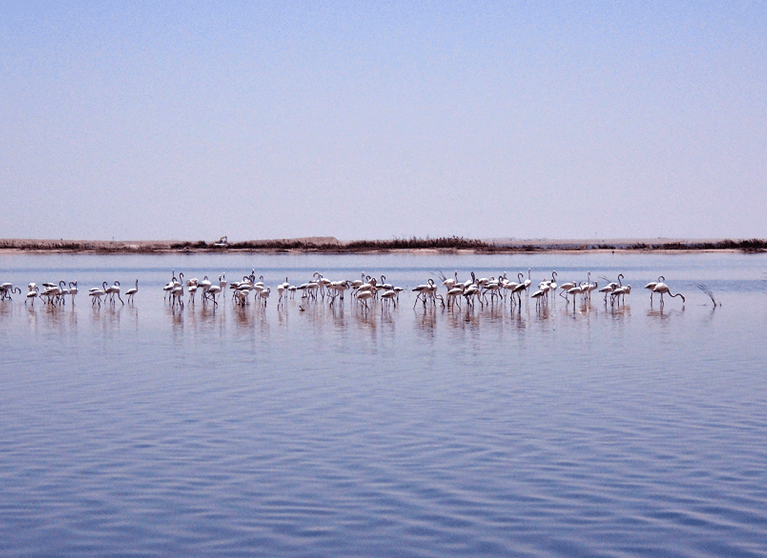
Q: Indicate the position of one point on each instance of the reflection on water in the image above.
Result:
(665, 313)
(426, 320)
(175, 316)
(541, 428)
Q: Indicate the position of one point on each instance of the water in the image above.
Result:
(595, 431)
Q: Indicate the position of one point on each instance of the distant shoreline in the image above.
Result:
(331, 245)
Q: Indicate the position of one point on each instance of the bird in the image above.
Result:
(177, 290)
(537, 295)
(63, 291)
(610, 287)
(114, 290)
(364, 296)
(384, 285)
(96, 293)
(470, 293)
(7, 289)
(390, 296)
(73, 290)
(211, 293)
(336, 289)
(32, 294)
(51, 292)
(575, 291)
(263, 295)
(521, 286)
(662, 288)
(448, 282)
(426, 291)
(652, 284)
(281, 288)
(205, 284)
(565, 287)
(170, 285)
(130, 293)
(588, 286)
(453, 295)
(357, 283)
(192, 288)
(620, 293)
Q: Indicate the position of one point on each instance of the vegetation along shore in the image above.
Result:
(332, 245)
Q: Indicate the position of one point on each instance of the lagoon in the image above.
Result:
(147, 429)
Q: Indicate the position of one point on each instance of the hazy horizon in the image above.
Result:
(383, 120)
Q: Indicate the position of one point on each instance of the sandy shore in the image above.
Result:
(333, 245)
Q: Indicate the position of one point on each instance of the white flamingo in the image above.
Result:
(130, 293)
(662, 288)
(32, 294)
(96, 293)
(73, 290)
(620, 293)
(114, 290)
(364, 296)
(652, 284)
(425, 291)
(211, 293)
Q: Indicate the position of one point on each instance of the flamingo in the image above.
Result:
(130, 293)
(449, 283)
(336, 288)
(170, 285)
(662, 288)
(364, 296)
(73, 290)
(114, 290)
(493, 287)
(7, 289)
(96, 293)
(453, 294)
(177, 291)
(470, 293)
(240, 296)
(620, 293)
(652, 284)
(205, 284)
(610, 287)
(572, 289)
(390, 296)
(565, 287)
(425, 291)
(384, 285)
(281, 288)
(32, 294)
(51, 292)
(357, 283)
(63, 291)
(521, 286)
(263, 295)
(192, 291)
(469, 282)
(212, 291)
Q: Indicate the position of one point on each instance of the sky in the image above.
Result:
(381, 120)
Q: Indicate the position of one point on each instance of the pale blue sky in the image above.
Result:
(185, 120)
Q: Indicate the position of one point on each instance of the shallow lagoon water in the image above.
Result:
(595, 431)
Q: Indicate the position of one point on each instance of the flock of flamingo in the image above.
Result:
(365, 291)
(475, 289)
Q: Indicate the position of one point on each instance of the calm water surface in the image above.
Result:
(145, 429)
